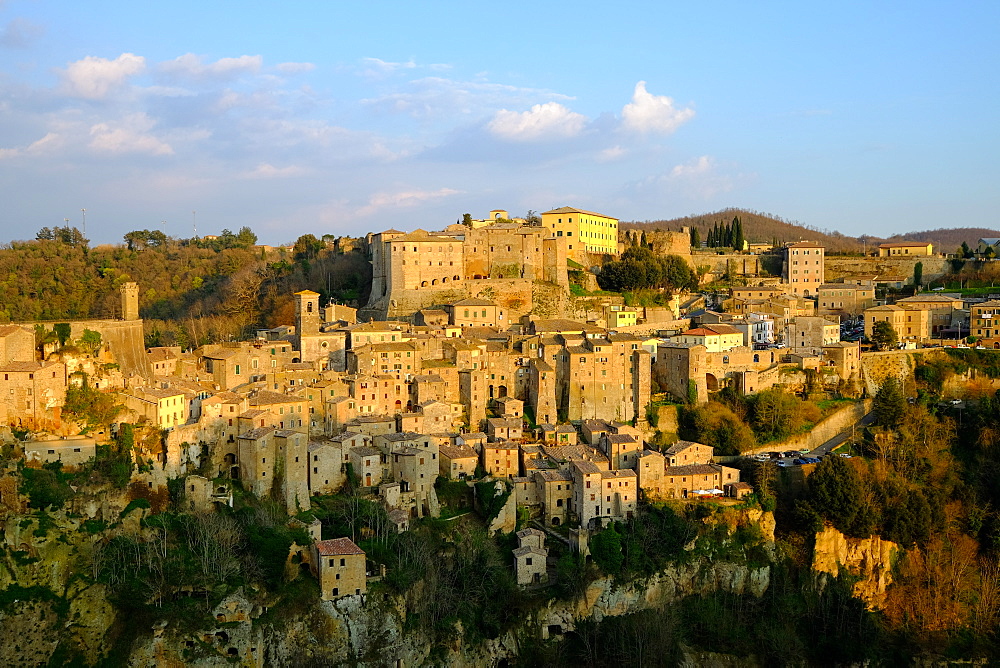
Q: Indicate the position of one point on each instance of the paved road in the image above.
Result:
(837, 440)
(834, 442)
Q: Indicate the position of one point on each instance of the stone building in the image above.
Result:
(32, 393)
(845, 300)
(420, 269)
(803, 268)
(804, 334)
(586, 233)
(530, 557)
(339, 565)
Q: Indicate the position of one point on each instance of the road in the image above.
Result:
(837, 440)
(834, 442)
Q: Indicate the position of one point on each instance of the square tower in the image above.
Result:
(307, 314)
(130, 301)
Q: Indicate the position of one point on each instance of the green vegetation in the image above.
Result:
(884, 336)
(734, 422)
(91, 407)
(640, 269)
(192, 291)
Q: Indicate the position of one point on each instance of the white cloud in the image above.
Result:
(131, 136)
(542, 122)
(439, 97)
(697, 166)
(93, 78)
(268, 171)
(190, 65)
(653, 113)
(403, 199)
(378, 68)
(46, 144)
(19, 33)
(612, 153)
(701, 178)
(294, 68)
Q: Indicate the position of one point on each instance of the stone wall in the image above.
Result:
(824, 430)
(841, 267)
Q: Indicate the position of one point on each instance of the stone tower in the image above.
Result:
(130, 301)
(307, 315)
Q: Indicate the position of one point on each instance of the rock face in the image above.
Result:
(870, 558)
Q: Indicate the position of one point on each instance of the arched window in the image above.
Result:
(756, 359)
(725, 359)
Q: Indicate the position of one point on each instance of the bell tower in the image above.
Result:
(307, 316)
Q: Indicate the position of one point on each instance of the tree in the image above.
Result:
(245, 238)
(467, 219)
(738, 238)
(890, 404)
(695, 238)
(91, 341)
(918, 276)
(837, 492)
(307, 247)
(965, 251)
(62, 331)
(532, 218)
(884, 335)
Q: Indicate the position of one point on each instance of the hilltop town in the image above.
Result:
(486, 352)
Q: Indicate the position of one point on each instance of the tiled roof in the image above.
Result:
(337, 547)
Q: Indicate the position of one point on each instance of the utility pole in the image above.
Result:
(84, 222)
(194, 223)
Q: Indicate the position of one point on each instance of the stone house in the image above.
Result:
(339, 565)
(457, 462)
(71, 451)
(683, 453)
(32, 393)
(500, 459)
(530, 557)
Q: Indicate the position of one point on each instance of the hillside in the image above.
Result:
(191, 292)
(767, 228)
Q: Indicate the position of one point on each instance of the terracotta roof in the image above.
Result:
(569, 209)
(337, 547)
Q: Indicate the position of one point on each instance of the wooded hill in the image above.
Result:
(190, 291)
(761, 227)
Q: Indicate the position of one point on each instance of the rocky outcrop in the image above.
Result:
(869, 558)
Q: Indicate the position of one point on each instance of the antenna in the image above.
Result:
(194, 223)
(84, 222)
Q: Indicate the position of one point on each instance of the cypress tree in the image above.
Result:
(695, 238)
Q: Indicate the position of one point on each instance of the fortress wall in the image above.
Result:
(840, 267)
(125, 338)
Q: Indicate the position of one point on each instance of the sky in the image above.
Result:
(343, 118)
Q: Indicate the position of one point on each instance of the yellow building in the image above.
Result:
(620, 316)
(715, 338)
(587, 232)
(906, 249)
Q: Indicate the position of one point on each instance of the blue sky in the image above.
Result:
(344, 118)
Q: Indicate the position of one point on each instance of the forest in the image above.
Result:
(192, 291)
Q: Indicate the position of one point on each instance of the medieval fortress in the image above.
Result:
(519, 265)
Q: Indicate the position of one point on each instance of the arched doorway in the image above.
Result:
(712, 382)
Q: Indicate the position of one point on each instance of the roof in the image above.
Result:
(259, 432)
(680, 446)
(308, 293)
(530, 549)
(806, 244)
(569, 209)
(363, 451)
(473, 301)
(337, 547)
(457, 452)
(21, 367)
(906, 244)
(264, 398)
(693, 469)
